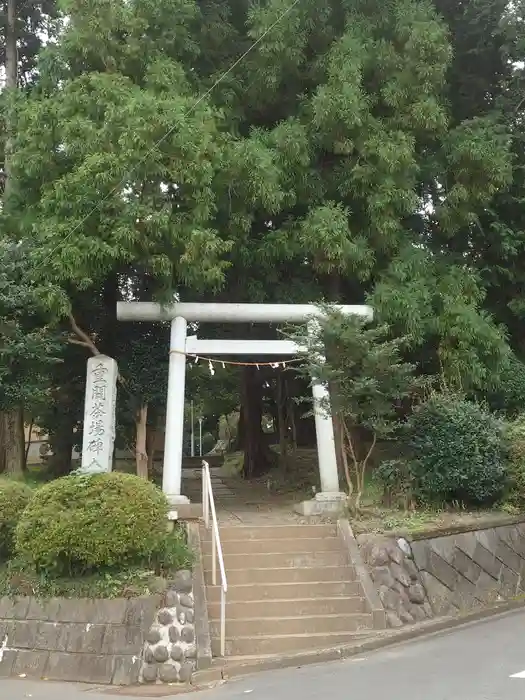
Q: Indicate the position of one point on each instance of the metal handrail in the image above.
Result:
(208, 504)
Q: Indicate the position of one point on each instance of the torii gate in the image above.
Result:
(180, 314)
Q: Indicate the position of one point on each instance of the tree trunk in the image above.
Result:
(282, 422)
(141, 454)
(12, 455)
(337, 424)
(257, 456)
(28, 444)
(291, 414)
(11, 58)
(151, 436)
(61, 443)
(14, 442)
(2, 442)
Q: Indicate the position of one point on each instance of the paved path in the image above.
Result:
(472, 663)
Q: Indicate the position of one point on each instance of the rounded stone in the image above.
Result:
(378, 556)
(182, 582)
(149, 658)
(395, 554)
(187, 634)
(169, 673)
(185, 600)
(190, 616)
(382, 576)
(154, 635)
(411, 569)
(404, 546)
(399, 588)
(389, 598)
(165, 617)
(149, 673)
(186, 671)
(418, 612)
(161, 653)
(176, 653)
(172, 599)
(399, 573)
(191, 652)
(405, 616)
(174, 634)
(416, 593)
(393, 620)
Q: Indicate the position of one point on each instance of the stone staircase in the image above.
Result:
(291, 588)
(192, 485)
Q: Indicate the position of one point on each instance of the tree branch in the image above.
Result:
(74, 341)
(372, 446)
(350, 444)
(85, 340)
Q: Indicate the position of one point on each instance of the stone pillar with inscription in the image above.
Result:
(99, 415)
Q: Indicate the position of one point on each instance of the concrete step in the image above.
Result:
(271, 532)
(309, 545)
(238, 610)
(196, 462)
(278, 560)
(283, 591)
(256, 646)
(236, 577)
(306, 624)
(195, 473)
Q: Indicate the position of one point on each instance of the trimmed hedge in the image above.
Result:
(14, 497)
(460, 452)
(516, 439)
(83, 523)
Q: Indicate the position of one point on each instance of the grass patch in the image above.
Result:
(376, 519)
(18, 578)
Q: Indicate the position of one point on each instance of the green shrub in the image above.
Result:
(515, 432)
(84, 523)
(460, 452)
(14, 497)
(173, 552)
(395, 478)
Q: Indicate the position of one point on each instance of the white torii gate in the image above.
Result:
(329, 498)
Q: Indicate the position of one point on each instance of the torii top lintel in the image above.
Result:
(229, 313)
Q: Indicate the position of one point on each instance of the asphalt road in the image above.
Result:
(469, 663)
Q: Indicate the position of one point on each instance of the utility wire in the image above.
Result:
(170, 131)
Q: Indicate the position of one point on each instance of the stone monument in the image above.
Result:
(99, 415)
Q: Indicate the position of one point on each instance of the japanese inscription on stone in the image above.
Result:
(99, 414)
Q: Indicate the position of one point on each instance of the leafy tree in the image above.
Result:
(339, 159)
(21, 28)
(365, 364)
(142, 354)
(28, 348)
(113, 159)
(357, 171)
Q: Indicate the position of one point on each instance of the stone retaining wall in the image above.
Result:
(111, 642)
(170, 653)
(92, 641)
(446, 575)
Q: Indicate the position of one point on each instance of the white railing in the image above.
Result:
(208, 508)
